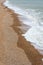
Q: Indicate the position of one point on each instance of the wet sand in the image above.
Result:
(14, 49)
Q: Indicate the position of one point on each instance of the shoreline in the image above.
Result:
(35, 56)
(30, 52)
(32, 35)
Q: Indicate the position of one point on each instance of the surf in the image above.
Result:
(34, 19)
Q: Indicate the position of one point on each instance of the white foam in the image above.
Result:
(32, 18)
(35, 36)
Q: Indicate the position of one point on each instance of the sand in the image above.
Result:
(14, 49)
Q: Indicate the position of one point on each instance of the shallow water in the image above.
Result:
(32, 15)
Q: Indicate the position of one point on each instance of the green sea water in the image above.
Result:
(37, 4)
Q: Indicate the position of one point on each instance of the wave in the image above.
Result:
(33, 18)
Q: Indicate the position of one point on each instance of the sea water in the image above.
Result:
(31, 14)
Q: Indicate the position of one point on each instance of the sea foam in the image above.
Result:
(33, 18)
